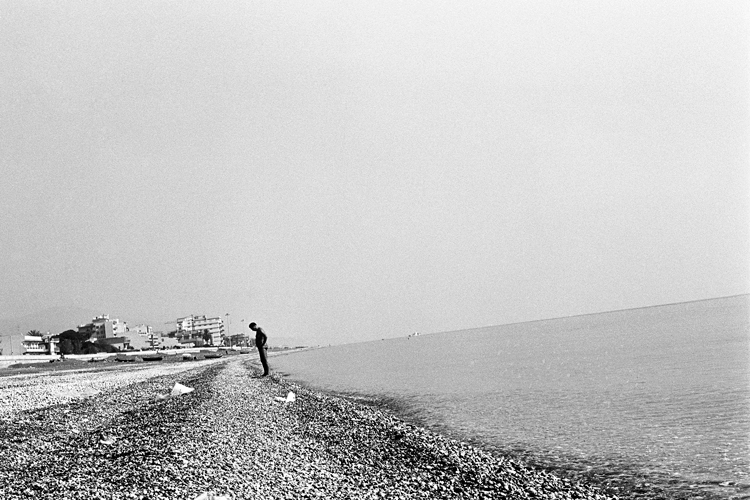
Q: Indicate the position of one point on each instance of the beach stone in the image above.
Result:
(230, 436)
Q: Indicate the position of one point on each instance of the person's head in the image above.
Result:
(252, 326)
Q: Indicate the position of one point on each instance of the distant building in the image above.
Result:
(102, 327)
(110, 331)
(240, 339)
(35, 345)
(144, 330)
(152, 340)
(169, 343)
(144, 337)
(11, 343)
(44, 344)
(200, 330)
(120, 343)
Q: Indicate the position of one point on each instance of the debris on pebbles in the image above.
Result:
(229, 438)
(209, 495)
(290, 398)
(179, 390)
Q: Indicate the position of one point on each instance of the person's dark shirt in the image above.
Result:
(260, 337)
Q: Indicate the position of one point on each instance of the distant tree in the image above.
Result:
(206, 337)
(65, 346)
(34, 333)
(95, 348)
(89, 348)
(108, 348)
(76, 340)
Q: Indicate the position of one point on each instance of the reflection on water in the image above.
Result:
(658, 395)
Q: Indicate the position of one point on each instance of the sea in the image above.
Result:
(649, 403)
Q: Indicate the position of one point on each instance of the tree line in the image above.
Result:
(75, 342)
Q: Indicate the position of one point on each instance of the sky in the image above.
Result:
(346, 171)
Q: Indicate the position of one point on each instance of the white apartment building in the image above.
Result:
(193, 329)
(144, 330)
(102, 327)
(35, 345)
(44, 344)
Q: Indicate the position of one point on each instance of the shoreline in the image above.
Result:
(618, 482)
(231, 436)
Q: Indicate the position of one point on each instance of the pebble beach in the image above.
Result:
(116, 434)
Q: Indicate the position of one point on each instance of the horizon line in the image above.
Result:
(589, 314)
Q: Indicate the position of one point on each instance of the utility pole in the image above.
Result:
(229, 324)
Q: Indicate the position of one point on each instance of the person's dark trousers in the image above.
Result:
(263, 360)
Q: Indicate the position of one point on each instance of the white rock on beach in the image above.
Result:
(290, 398)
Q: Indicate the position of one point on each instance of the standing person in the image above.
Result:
(260, 343)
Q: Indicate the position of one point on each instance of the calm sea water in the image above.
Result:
(656, 399)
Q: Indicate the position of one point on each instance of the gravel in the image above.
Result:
(39, 390)
(79, 436)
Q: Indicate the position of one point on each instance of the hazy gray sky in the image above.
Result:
(342, 171)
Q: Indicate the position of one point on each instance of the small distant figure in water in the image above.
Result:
(260, 343)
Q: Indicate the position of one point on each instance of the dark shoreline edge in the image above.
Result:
(621, 482)
(416, 448)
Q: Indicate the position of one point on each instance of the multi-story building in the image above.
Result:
(34, 345)
(144, 337)
(144, 330)
(102, 327)
(41, 344)
(239, 339)
(200, 330)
